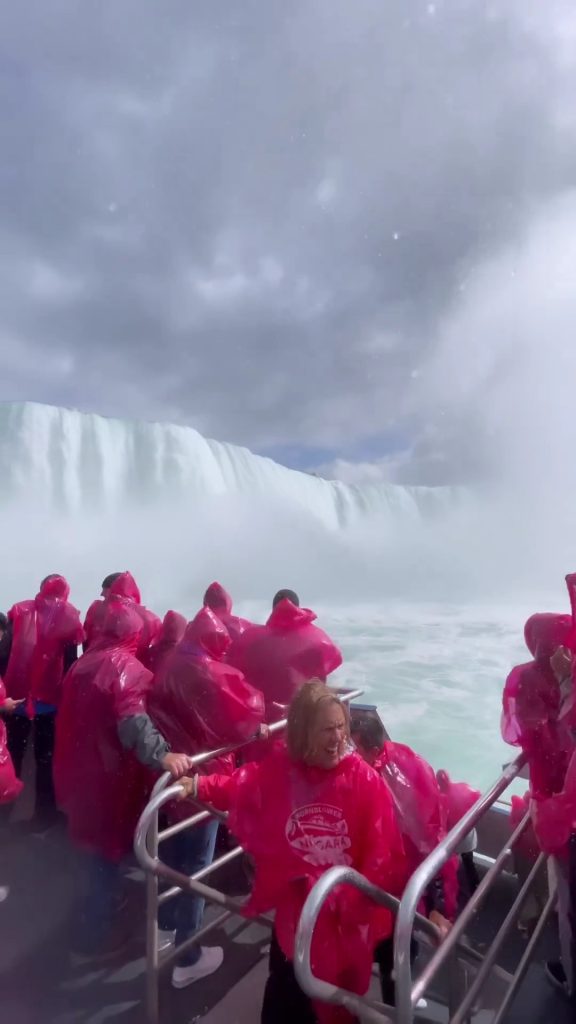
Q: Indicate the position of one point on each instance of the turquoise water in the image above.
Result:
(436, 673)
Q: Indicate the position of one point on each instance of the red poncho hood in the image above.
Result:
(173, 628)
(220, 602)
(545, 632)
(119, 628)
(218, 599)
(207, 634)
(170, 635)
(55, 587)
(286, 617)
(126, 586)
(125, 590)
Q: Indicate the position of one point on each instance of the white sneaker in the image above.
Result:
(210, 960)
(4, 893)
(165, 939)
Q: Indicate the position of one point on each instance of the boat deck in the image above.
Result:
(38, 984)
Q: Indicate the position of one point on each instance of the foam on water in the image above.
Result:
(436, 674)
(78, 462)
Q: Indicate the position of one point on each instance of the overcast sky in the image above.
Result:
(279, 221)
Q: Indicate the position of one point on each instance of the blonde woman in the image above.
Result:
(310, 805)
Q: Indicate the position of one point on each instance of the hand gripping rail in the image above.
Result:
(369, 1009)
(146, 842)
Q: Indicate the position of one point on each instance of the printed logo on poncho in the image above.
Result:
(319, 834)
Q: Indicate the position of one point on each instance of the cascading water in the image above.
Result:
(87, 492)
(74, 462)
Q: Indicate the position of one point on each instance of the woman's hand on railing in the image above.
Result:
(263, 732)
(189, 786)
(442, 923)
(10, 704)
(177, 764)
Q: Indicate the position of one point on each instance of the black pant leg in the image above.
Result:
(284, 1001)
(384, 957)
(470, 871)
(18, 732)
(44, 734)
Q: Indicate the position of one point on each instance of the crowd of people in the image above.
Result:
(111, 702)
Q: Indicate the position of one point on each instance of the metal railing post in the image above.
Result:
(406, 995)
(152, 955)
(490, 956)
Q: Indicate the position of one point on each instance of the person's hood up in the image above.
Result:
(126, 586)
(571, 585)
(55, 587)
(208, 634)
(120, 627)
(173, 627)
(545, 632)
(286, 616)
(218, 599)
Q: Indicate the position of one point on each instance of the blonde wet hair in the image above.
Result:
(303, 715)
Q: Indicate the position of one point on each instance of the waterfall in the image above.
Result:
(76, 462)
(85, 495)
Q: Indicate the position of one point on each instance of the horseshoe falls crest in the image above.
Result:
(408, 579)
(81, 462)
(184, 507)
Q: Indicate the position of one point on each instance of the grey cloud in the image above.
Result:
(254, 217)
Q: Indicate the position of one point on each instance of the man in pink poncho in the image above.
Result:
(199, 703)
(45, 637)
(219, 601)
(123, 584)
(287, 652)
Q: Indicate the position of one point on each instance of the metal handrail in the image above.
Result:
(346, 696)
(408, 994)
(467, 1003)
(323, 990)
(146, 842)
(161, 795)
(467, 914)
(326, 992)
(152, 864)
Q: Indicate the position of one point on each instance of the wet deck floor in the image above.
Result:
(38, 982)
